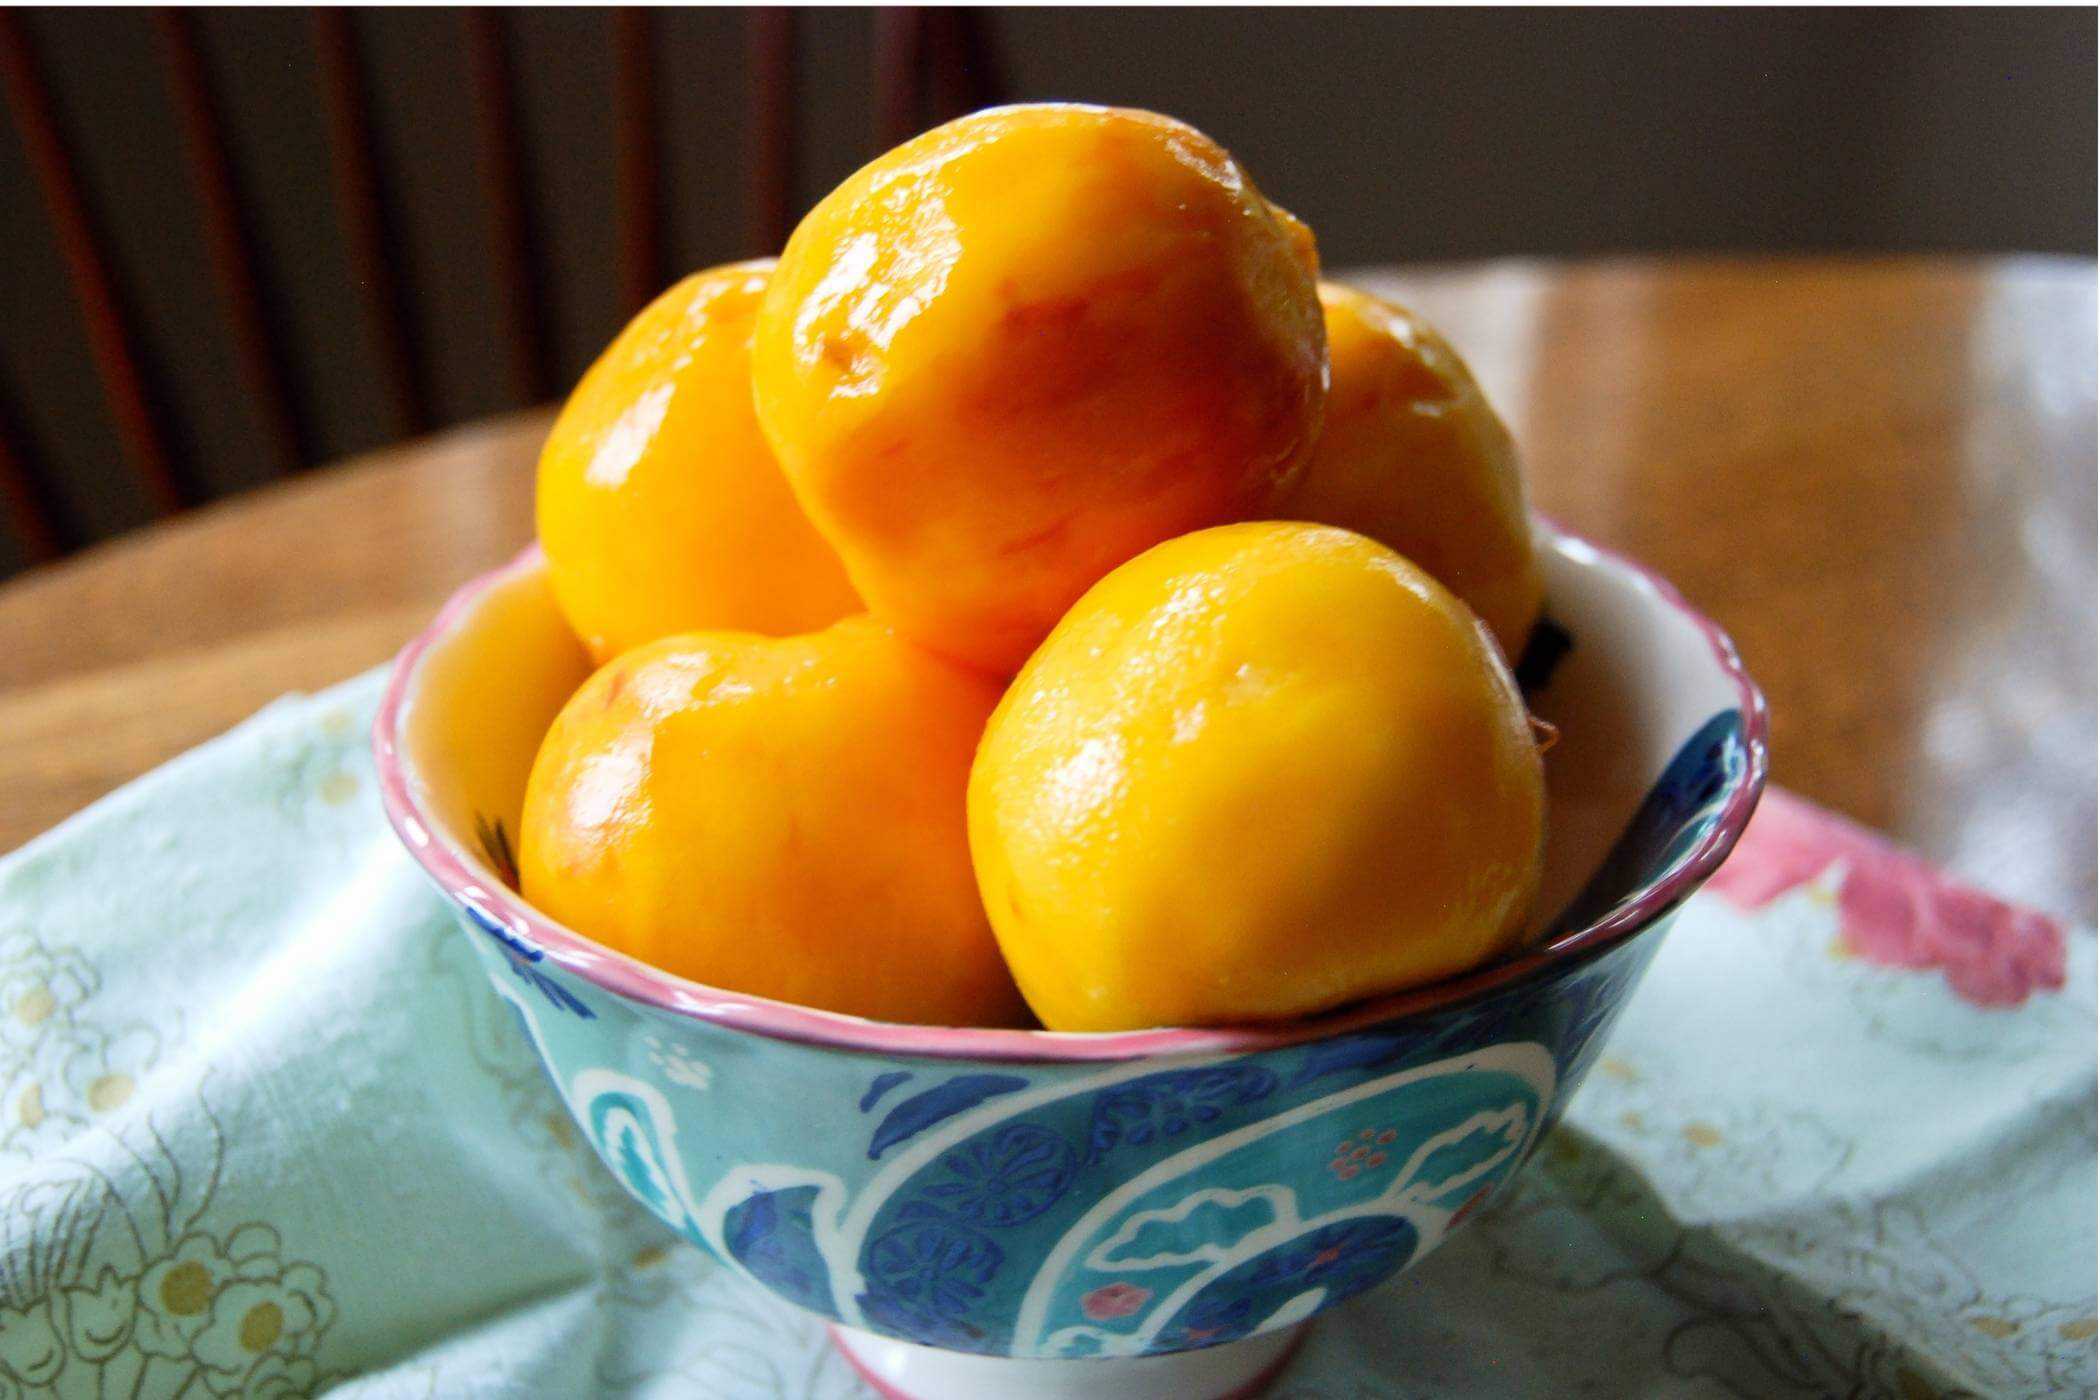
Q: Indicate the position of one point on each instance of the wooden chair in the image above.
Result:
(927, 64)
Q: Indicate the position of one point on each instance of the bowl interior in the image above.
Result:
(1655, 723)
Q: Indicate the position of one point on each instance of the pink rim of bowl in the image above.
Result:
(458, 876)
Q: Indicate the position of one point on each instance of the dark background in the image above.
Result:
(1400, 135)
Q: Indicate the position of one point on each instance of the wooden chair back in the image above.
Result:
(927, 64)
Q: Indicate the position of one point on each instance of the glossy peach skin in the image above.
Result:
(661, 508)
(1025, 346)
(1413, 455)
(779, 816)
(1257, 772)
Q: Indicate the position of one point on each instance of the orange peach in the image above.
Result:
(1413, 455)
(1257, 772)
(661, 508)
(1023, 347)
(781, 816)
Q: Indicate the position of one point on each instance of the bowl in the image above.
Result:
(1141, 1213)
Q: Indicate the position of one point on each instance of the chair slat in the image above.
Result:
(504, 178)
(945, 63)
(38, 523)
(900, 60)
(252, 317)
(958, 68)
(638, 158)
(928, 63)
(368, 225)
(770, 162)
(112, 341)
(983, 68)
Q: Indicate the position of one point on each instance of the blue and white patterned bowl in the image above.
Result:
(1021, 1194)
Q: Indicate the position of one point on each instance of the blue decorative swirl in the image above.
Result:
(1167, 1105)
(925, 1278)
(1342, 1259)
(524, 960)
(929, 1106)
(1003, 1177)
(770, 1233)
(881, 1084)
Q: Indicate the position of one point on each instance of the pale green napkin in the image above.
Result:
(264, 1130)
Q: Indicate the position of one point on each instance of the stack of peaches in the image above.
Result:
(1037, 599)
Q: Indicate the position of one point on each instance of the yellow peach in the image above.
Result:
(661, 508)
(1023, 347)
(778, 816)
(1257, 772)
(1413, 455)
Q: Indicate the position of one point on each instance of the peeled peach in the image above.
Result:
(1413, 455)
(779, 816)
(1023, 347)
(1257, 772)
(661, 508)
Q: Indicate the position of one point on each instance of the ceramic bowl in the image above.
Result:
(1144, 1213)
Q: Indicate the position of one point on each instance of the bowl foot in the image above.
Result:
(906, 1371)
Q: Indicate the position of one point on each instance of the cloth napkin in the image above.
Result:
(264, 1131)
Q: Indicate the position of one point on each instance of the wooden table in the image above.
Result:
(1879, 475)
